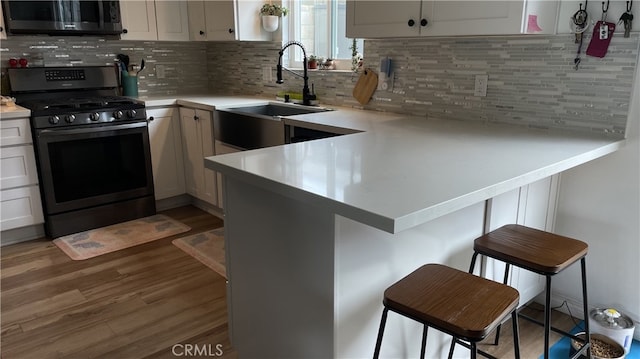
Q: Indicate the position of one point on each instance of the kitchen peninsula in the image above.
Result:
(315, 231)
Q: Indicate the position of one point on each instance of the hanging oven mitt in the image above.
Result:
(602, 34)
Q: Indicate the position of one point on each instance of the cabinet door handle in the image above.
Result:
(151, 118)
(196, 118)
(411, 22)
(124, 31)
(201, 32)
(231, 31)
(423, 22)
(1, 29)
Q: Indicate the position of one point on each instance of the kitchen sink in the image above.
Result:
(251, 127)
(277, 110)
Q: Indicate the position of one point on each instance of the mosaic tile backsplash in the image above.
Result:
(185, 62)
(532, 81)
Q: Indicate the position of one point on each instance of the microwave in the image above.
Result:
(62, 17)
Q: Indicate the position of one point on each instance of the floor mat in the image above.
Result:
(95, 242)
(206, 247)
(560, 350)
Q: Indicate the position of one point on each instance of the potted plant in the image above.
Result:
(312, 62)
(271, 13)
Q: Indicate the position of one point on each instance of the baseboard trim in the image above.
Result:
(207, 207)
(22, 234)
(29, 233)
(173, 202)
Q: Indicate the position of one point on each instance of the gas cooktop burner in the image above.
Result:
(87, 103)
(79, 111)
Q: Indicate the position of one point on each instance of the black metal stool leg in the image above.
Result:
(505, 279)
(383, 322)
(547, 317)
(516, 334)
(585, 305)
(423, 349)
(473, 262)
(474, 350)
(452, 347)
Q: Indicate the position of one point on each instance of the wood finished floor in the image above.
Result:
(137, 303)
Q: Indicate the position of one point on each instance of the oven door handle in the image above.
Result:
(65, 132)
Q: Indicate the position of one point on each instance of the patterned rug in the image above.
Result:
(95, 242)
(207, 247)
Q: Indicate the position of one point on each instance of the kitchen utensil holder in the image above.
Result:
(129, 85)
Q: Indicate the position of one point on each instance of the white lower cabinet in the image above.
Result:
(20, 207)
(167, 161)
(533, 206)
(20, 203)
(197, 134)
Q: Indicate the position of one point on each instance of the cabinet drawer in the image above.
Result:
(20, 207)
(15, 132)
(17, 166)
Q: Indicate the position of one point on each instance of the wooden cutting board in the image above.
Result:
(366, 86)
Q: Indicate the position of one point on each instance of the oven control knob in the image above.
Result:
(117, 115)
(70, 118)
(132, 113)
(54, 120)
(94, 116)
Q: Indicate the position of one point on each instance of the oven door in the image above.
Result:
(85, 167)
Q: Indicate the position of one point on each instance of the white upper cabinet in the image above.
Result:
(227, 20)
(212, 20)
(380, 19)
(154, 20)
(173, 20)
(3, 30)
(138, 20)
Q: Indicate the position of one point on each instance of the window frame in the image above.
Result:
(291, 31)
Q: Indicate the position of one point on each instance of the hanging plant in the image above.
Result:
(273, 10)
(271, 14)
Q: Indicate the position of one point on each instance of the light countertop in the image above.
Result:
(11, 112)
(409, 171)
(392, 171)
(203, 102)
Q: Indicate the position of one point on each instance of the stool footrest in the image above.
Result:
(481, 352)
(559, 331)
(582, 349)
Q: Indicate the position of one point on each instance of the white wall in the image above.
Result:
(600, 204)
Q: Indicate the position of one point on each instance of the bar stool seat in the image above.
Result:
(541, 252)
(455, 302)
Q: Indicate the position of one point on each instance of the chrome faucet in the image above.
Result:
(306, 94)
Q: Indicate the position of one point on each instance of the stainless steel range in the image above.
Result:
(92, 147)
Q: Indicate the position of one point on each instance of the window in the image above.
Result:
(320, 25)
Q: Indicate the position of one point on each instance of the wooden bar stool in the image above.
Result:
(454, 302)
(541, 252)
